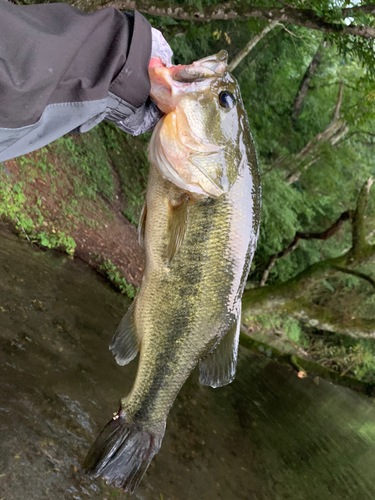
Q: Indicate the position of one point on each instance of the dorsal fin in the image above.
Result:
(177, 226)
(219, 367)
(125, 343)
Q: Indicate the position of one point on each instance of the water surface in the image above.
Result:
(267, 436)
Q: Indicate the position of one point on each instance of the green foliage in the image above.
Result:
(116, 278)
(281, 205)
(362, 50)
(73, 170)
(87, 154)
(128, 156)
(12, 200)
(269, 83)
(346, 355)
(285, 326)
(39, 164)
(57, 240)
(365, 365)
(14, 208)
(336, 352)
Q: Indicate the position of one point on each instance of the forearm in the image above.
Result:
(61, 69)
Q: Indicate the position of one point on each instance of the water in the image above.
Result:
(267, 436)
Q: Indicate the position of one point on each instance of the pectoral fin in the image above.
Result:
(219, 368)
(124, 344)
(177, 226)
(142, 225)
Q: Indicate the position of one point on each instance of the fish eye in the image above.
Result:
(226, 99)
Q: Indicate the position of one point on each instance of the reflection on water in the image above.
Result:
(267, 436)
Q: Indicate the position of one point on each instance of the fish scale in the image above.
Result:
(199, 225)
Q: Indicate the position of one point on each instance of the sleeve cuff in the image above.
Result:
(132, 84)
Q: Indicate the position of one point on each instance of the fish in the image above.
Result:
(199, 227)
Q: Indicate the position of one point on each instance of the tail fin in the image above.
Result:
(122, 453)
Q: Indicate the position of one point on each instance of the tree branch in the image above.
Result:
(335, 131)
(324, 235)
(359, 235)
(370, 235)
(310, 367)
(336, 113)
(250, 45)
(284, 296)
(358, 274)
(225, 11)
(329, 321)
(275, 297)
(305, 84)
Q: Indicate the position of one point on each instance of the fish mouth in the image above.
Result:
(209, 67)
(168, 85)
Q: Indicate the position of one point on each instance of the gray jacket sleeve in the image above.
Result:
(61, 69)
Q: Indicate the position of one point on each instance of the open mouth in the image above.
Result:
(209, 67)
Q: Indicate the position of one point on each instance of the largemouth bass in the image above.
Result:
(199, 227)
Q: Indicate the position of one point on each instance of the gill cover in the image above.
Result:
(187, 160)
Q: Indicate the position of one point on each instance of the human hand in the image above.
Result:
(146, 117)
(160, 48)
(142, 120)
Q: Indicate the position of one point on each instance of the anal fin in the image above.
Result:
(219, 367)
(124, 344)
